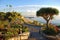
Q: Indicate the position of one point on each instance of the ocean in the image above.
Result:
(41, 20)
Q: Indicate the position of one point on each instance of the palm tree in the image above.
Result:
(47, 13)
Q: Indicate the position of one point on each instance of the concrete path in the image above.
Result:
(34, 32)
(36, 36)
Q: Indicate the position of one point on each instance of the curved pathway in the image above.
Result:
(34, 32)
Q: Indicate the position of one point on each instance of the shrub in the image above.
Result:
(58, 26)
(25, 29)
(51, 31)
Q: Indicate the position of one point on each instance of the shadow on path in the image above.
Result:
(34, 32)
(36, 36)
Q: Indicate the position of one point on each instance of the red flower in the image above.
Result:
(56, 28)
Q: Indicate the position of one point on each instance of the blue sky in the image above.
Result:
(28, 6)
(30, 2)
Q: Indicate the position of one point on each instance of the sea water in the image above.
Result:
(41, 20)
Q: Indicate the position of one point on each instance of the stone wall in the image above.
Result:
(21, 36)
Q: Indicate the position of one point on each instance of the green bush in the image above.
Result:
(50, 31)
(58, 26)
(25, 29)
(11, 32)
(15, 26)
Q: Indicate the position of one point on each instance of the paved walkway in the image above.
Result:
(34, 33)
(36, 36)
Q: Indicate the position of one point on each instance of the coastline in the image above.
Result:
(41, 20)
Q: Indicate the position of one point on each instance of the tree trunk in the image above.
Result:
(47, 24)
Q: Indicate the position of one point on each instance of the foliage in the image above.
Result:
(52, 30)
(9, 17)
(35, 23)
(58, 26)
(16, 26)
(44, 12)
(47, 14)
(25, 29)
(11, 32)
(10, 24)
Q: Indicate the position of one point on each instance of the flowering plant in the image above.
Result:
(52, 30)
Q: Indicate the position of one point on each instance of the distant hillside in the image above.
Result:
(26, 20)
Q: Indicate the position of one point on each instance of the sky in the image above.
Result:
(30, 2)
(28, 7)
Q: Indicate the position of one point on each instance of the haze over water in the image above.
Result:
(41, 20)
